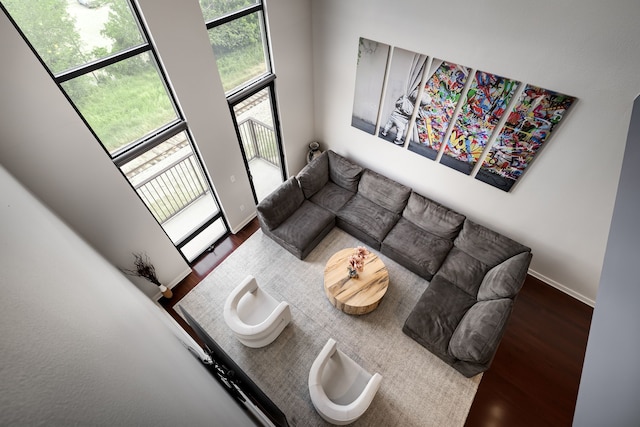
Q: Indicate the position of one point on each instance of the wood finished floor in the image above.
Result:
(535, 375)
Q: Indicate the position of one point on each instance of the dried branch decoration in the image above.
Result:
(144, 268)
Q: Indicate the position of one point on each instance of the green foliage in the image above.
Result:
(212, 9)
(121, 27)
(50, 30)
(236, 35)
(240, 66)
(126, 100)
(123, 110)
(123, 30)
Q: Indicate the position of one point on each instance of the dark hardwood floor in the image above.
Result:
(535, 375)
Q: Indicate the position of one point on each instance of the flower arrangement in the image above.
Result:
(356, 261)
(145, 269)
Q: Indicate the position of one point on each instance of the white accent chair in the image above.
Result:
(254, 316)
(340, 389)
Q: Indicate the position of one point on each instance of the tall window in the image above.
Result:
(98, 51)
(240, 42)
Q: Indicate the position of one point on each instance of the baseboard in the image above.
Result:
(173, 283)
(178, 279)
(246, 221)
(563, 288)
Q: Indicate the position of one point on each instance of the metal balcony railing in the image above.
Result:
(173, 188)
(259, 141)
(180, 183)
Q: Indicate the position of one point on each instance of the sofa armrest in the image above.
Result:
(478, 334)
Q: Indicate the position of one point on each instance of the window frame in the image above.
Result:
(255, 85)
(241, 13)
(135, 148)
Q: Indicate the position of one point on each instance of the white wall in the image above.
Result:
(48, 148)
(289, 24)
(588, 49)
(80, 344)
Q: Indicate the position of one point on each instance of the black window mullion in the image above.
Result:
(120, 159)
(100, 63)
(232, 16)
(246, 92)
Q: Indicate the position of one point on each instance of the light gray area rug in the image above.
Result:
(417, 389)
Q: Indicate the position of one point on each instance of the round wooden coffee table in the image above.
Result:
(358, 295)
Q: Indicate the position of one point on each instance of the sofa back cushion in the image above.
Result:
(479, 332)
(344, 172)
(281, 203)
(433, 217)
(486, 245)
(383, 191)
(505, 279)
(315, 175)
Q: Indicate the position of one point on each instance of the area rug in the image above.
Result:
(417, 389)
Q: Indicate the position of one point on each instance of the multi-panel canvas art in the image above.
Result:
(533, 118)
(483, 106)
(442, 92)
(370, 77)
(400, 98)
(485, 125)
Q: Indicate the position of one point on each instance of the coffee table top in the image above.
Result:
(358, 295)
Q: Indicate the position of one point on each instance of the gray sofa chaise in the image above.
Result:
(463, 313)
(475, 273)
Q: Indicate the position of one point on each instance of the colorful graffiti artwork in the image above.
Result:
(533, 118)
(485, 103)
(443, 89)
(475, 122)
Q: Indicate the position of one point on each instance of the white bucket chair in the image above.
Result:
(340, 389)
(254, 316)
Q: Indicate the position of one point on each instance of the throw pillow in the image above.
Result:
(315, 175)
(505, 279)
(344, 172)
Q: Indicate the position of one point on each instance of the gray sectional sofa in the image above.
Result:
(475, 273)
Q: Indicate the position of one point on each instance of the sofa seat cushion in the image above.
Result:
(416, 249)
(433, 217)
(332, 197)
(505, 279)
(488, 246)
(344, 172)
(464, 271)
(477, 336)
(366, 220)
(383, 191)
(436, 315)
(274, 209)
(304, 229)
(315, 175)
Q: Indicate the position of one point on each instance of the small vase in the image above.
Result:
(166, 292)
(314, 151)
(353, 273)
